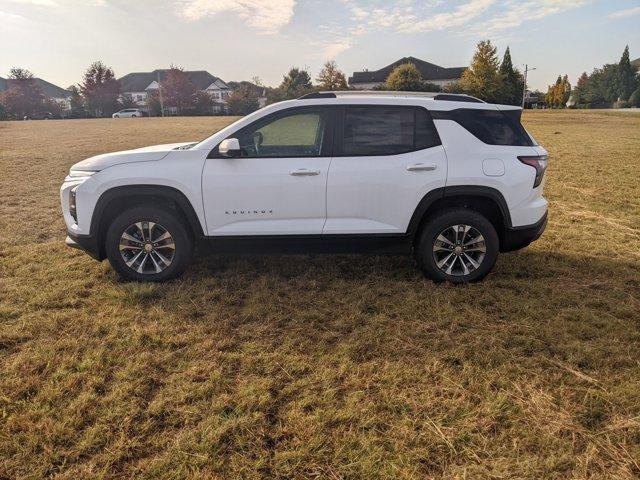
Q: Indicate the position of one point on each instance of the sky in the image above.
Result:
(241, 39)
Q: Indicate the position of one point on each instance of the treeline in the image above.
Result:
(24, 97)
(613, 85)
(488, 78)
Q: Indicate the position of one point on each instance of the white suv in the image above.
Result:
(449, 178)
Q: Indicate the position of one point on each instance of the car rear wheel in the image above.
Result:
(457, 246)
(148, 244)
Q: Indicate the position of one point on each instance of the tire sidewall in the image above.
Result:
(453, 217)
(179, 232)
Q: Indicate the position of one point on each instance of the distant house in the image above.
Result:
(430, 72)
(533, 99)
(137, 87)
(51, 91)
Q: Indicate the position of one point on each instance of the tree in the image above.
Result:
(243, 101)
(548, 97)
(330, 78)
(482, 79)
(634, 99)
(453, 87)
(177, 89)
(100, 90)
(626, 81)
(126, 101)
(295, 84)
(153, 105)
(202, 103)
(77, 104)
(513, 83)
(580, 90)
(566, 90)
(405, 77)
(24, 96)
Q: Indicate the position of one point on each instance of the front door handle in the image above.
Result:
(304, 172)
(421, 167)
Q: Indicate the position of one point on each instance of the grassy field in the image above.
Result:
(323, 367)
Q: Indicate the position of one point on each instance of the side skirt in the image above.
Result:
(300, 244)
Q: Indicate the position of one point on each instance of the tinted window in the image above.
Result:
(298, 134)
(387, 130)
(492, 127)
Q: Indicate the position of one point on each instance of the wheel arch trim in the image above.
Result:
(145, 190)
(457, 191)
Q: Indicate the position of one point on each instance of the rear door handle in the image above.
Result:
(421, 167)
(304, 172)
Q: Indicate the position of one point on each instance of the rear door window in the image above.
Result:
(386, 130)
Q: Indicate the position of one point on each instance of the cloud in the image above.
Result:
(267, 16)
(516, 12)
(460, 16)
(402, 17)
(41, 3)
(60, 3)
(10, 17)
(629, 12)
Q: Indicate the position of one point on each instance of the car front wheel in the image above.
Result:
(148, 244)
(457, 246)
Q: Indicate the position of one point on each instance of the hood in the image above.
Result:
(145, 154)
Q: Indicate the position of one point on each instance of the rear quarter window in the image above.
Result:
(492, 127)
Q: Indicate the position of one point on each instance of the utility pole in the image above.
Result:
(160, 92)
(524, 87)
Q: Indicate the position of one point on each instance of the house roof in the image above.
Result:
(139, 81)
(429, 71)
(49, 89)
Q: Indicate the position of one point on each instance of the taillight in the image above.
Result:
(539, 162)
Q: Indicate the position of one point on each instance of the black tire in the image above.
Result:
(169, 222)
(424, 248)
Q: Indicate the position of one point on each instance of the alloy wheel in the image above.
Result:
(459, 250)
(147, 247)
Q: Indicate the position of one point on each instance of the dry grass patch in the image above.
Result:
(323, 367)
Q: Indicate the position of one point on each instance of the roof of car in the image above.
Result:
(392, 94)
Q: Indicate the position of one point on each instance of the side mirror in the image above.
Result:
(229, 147)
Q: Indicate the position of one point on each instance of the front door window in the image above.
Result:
(298, 134)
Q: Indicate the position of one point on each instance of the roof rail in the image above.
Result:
(452, 97)
(317, 95)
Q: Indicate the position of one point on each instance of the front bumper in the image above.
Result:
(86, 243)
(516, 238)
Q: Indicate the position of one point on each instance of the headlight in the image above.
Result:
(72, 203)
(81, 173)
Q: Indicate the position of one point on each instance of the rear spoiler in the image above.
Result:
(513, 114)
